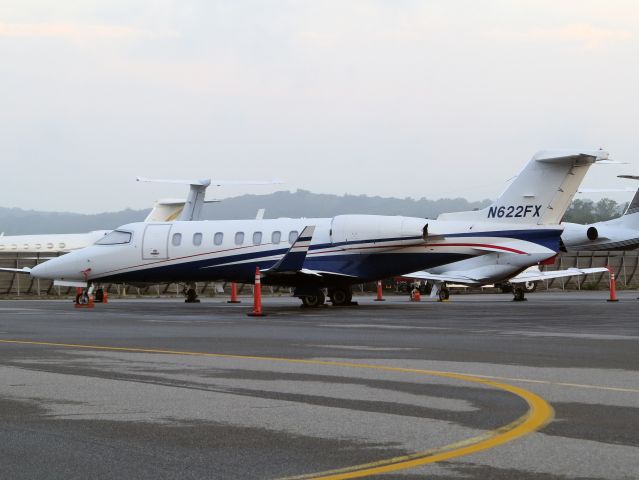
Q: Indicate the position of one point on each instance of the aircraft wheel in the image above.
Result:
(519, 294)
(341, 296)
(99, 295)
(444, 294)
(314, 301)
(191, 296)
(530, 287)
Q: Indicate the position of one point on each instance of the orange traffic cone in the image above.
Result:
(379, 298)
(613, 290)
(233, 293)
(257, 296)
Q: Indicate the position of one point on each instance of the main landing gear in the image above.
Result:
(341, 296)
(444, 293)
(440, 289)
(190, 293)
(519, 293)
(313, 300)
(315, 297)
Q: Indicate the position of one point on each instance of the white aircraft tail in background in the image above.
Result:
(631, 215)
(541, 192)
(617, 234)
(188, 210)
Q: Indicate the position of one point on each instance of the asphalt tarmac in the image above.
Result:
(155, 388)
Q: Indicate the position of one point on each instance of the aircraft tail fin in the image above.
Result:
(630, 217)
(542, 191)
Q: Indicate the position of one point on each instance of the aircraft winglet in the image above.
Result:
(293, 260)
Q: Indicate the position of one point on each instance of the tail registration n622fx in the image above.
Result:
(514, 211)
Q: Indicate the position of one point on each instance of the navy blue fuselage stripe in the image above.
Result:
(544, 237)
(363, 266)
(353, 268)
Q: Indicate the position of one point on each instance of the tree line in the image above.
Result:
(587, 211)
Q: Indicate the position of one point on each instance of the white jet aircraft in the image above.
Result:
(617, 234)
(335, 253)
(507, 265)
(486, 272)
(56, 243)
(165, 210)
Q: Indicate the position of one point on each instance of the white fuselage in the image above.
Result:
(49, 243)
(344, 249)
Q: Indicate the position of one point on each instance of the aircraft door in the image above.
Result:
(155, 244)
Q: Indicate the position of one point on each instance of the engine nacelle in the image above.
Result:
(575, 234)
(378, 228)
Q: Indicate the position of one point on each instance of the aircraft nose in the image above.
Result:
(66, 267)
(41, 270)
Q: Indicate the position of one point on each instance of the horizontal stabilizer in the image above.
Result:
(293, 260)
(542, 191)
(606, 190)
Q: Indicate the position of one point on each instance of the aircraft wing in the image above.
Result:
(16, 270)
(536, 275)
(292, 263)
(450, 278)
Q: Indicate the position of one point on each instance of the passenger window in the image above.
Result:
(239, 238)
(276, 237)
(257, 238)
(176, 241)
(293, 236)
(49, 245)
(197, 239)
(217, 239)
(62, 245)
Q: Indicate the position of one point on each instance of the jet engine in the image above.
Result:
(575, 234)
(577, 237)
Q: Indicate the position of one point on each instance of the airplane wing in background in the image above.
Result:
(449, 277)
(536, 275)
(531, 275)
(16, 270)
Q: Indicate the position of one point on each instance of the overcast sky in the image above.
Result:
(394, 98)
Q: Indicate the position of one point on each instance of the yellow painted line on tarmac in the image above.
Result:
(539, 411)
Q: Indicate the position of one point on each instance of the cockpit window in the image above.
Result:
(116, 237)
